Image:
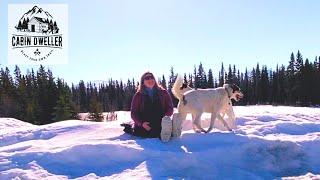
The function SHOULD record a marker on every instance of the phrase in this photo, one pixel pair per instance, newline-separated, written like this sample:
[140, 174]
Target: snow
[270, 142]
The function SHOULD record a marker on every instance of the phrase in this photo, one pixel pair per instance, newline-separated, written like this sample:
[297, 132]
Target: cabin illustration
[37, 24]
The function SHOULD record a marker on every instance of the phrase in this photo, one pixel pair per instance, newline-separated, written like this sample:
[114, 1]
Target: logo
[38, 35]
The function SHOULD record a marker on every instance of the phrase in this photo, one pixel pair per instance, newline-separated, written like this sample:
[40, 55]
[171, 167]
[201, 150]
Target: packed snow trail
[270, 142]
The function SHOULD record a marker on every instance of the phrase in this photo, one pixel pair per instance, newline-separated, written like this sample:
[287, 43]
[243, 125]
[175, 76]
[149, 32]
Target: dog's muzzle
[239, 96]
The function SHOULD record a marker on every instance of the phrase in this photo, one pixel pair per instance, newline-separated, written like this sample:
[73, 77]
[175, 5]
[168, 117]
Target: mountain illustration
[37, 20]
[36, 12]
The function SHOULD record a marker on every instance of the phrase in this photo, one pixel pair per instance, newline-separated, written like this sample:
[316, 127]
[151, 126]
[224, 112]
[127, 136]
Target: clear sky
[123, 38]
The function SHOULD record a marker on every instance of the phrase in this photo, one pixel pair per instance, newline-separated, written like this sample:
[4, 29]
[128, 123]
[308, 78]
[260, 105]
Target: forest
[40, 98]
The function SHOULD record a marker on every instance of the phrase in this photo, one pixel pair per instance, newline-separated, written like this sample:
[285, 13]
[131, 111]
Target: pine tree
[210, 79]
[299, 66]
[238, 79]
[253, 86]
[195, 78]
[191, 84]
[185, 80]
[202, 77]
[229, 77]
[234, 76]
[63, 110]
[164, 82]
[172, 79]
[95, 110]
[299, 62]
[83, 97]
[275, 86]
[283, 96]
[215, 84]
[290, 80]
[308, 88]
[19, 95]
[245, 88]
[264, 86]
[258, 83]
[221, 75]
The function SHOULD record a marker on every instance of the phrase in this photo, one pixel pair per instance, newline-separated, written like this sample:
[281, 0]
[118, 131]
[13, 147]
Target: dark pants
[141, 132]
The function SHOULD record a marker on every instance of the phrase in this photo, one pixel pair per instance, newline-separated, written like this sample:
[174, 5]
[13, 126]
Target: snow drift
[270, 142]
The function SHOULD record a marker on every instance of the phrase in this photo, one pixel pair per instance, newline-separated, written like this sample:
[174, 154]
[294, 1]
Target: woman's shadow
[194, 156]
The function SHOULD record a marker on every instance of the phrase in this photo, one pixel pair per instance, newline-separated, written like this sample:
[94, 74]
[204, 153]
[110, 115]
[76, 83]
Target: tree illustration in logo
[37, 20]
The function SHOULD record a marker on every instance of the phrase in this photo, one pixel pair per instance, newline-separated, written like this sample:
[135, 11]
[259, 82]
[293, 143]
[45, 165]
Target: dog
[216, 101]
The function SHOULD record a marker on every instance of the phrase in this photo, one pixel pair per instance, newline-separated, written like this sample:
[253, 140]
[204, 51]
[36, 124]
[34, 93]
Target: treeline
[40, 98]
[297, 84]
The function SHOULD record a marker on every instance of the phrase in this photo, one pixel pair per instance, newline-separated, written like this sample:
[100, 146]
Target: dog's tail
[176, 91]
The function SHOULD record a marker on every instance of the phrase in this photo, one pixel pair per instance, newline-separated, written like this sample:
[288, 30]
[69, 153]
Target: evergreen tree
[210, 79]
[299, 66]
[253, 86]
[201, 77]
[290, 80]
[196, 78]
[95, 110]
[257, 84]
[234, 76]
[185, 78]
[245, 88]
[264, 86]
[83, 97]
[229, 77]
[63, 111]
[221, 75]
[163, 82]
[191, 84]
[172, 79]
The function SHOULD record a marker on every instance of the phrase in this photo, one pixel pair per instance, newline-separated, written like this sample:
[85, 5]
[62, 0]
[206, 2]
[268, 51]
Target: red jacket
[137, 104]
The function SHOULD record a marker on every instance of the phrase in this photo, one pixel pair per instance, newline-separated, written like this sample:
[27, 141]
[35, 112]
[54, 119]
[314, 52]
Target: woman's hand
[146, 126]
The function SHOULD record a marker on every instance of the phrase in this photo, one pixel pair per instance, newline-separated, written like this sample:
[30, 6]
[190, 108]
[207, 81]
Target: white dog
[216, 101]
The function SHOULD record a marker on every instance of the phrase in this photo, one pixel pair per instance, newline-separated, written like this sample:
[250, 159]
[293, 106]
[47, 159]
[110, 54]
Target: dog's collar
[229, 96]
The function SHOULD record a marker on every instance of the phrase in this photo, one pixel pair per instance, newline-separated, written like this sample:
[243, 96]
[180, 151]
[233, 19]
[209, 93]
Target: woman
[151, 108]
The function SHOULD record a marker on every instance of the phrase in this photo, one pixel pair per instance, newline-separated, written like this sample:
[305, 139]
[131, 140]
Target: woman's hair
[141, 86]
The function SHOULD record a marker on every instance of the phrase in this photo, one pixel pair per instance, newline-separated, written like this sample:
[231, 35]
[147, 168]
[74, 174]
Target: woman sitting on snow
[151, 108]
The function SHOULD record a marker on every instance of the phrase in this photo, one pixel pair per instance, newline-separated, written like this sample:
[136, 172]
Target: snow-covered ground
[271, 142]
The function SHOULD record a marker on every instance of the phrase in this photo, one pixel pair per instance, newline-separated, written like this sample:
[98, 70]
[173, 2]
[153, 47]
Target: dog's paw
[207, 131]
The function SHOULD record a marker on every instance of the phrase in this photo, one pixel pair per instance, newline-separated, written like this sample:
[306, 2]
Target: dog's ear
[184, 85]
[235, 87]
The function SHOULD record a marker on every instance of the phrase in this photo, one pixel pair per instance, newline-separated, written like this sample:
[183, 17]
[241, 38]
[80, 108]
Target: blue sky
[121, 39]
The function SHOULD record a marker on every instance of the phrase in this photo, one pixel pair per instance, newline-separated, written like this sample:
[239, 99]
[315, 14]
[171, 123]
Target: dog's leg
[231, 114]
[224, 122]
[177, 120]
[232, 117]
[213, 118]
[197, 123]
[193, 125]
